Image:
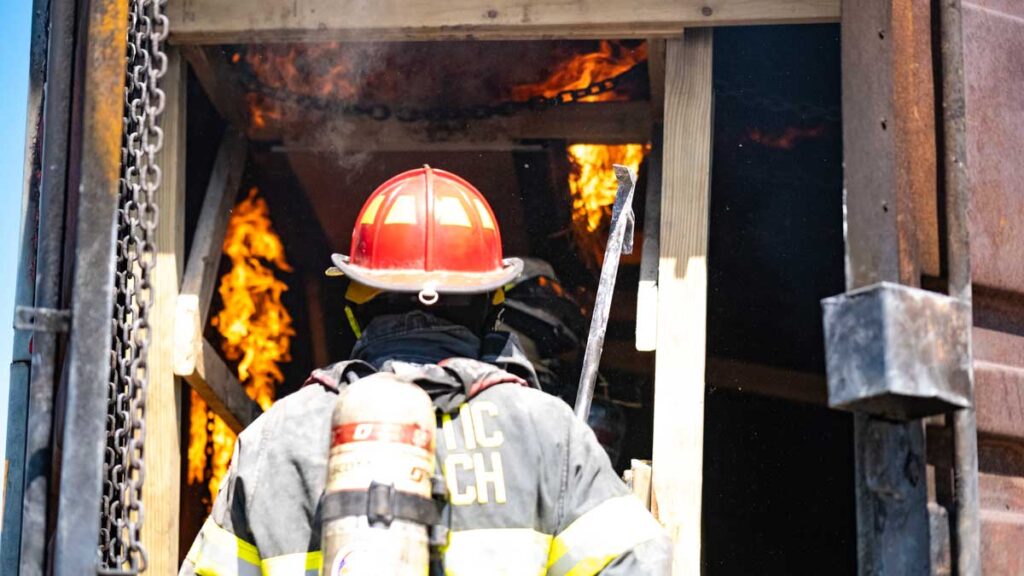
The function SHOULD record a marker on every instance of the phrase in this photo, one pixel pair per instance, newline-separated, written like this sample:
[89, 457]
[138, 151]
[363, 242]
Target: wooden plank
[682, 299]
[317, 320]
[211, 69]
[204, 258]
[647, 289]
[220, 22]
[194, 358]
[640, 481]
[217, 385]
[656, 76]
[604, 122]
[162, 485]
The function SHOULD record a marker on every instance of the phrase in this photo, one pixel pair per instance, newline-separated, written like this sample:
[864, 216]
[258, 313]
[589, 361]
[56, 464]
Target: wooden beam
[604, 122]
[220, 22]
[317, 319]
[217, 385]
[748, 377]
[682, 297]
[211, 69]
[656, 77]
[650, 252]
[162, 447]
[221, 191]
[194, 358]
[640, 481]
[647, 289]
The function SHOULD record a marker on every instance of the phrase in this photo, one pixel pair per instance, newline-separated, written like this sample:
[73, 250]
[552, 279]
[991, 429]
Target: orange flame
[582, 70]
[318, 70]
[256, 330]
[307, 69]
[592, 185]
[261, 110]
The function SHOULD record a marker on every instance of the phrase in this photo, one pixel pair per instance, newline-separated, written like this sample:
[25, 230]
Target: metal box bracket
[897, 352]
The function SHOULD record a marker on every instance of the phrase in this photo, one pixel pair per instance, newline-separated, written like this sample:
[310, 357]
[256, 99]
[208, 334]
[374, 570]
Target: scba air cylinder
[378, 475]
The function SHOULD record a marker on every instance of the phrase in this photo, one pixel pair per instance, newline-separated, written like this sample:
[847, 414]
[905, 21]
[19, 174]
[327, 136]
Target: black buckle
[380, 503]
[438, 533]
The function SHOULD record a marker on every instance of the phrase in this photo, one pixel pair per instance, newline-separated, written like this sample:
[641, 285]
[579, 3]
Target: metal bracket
[897, 352]
[41, 319]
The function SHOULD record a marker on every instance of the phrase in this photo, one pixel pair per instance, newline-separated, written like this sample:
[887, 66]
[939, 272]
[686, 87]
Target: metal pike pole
[620, 241]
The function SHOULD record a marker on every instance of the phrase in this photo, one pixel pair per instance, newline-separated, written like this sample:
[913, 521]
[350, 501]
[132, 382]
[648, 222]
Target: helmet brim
[442, 282]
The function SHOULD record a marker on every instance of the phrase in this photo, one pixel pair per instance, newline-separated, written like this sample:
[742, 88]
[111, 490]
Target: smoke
[339, 140]
[307, 85]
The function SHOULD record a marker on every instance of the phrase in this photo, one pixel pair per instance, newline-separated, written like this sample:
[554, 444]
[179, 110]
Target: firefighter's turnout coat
[531, 490]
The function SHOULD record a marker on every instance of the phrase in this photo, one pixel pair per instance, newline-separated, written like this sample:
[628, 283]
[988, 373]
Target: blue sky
[15, 24]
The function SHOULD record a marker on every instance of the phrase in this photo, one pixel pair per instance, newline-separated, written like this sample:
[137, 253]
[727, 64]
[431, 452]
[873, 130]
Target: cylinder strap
[381, 504]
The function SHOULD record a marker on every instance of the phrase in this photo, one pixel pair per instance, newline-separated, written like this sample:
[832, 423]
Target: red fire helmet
[427, 231]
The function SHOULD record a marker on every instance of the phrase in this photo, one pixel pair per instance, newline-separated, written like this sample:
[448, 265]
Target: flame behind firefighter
[549, 325]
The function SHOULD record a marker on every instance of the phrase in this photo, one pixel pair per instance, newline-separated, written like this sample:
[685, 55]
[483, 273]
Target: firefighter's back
[531, 491]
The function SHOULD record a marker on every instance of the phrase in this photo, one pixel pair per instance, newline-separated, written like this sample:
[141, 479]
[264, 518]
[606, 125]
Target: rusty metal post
[966, 536]
[49, 265]
[889, 161]
[78, 522]
[20, 369]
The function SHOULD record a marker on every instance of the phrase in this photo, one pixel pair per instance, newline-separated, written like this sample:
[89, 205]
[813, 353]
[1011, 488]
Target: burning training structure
[777, 167]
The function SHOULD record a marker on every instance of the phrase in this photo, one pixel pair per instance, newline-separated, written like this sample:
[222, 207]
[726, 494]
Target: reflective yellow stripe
[300, 564]
[599, 536]
[217, 552]
[497, 552]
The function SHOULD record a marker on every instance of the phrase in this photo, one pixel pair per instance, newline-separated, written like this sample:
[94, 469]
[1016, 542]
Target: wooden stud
[317, 324]
[211, 69]
[640, 481]
[194, 358]
[764, 380]
[204, 258]
[605, 122]
[219, 22]
[162, 447]
[682, 299]
[656, 77]
[218, 386]
[647, 289]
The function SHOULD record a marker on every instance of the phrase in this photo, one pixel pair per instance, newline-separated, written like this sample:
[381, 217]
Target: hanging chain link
[807, 111]
[120, 546]
[383, 112]
[778, 105]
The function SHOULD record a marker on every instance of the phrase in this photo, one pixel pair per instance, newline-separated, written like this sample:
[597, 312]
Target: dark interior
[777, 494]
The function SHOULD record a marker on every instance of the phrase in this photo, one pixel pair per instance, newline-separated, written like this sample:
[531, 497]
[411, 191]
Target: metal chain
[120, 546]
[775, 104]
[382, 112]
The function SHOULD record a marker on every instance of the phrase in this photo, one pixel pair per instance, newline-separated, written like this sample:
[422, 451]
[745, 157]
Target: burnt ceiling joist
[318, 123]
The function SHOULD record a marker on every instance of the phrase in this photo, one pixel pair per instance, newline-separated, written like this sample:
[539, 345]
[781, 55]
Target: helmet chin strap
[353, 323]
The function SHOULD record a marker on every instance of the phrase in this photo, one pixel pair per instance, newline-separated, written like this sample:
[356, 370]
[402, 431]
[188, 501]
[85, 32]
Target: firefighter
[530, 490]
[548, 323]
